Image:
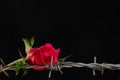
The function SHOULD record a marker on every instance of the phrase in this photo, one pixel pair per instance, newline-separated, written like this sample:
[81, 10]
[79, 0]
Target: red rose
[42, 55]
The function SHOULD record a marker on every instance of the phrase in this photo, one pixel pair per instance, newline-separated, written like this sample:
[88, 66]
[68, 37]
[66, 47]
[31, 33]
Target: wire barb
[1, 66]
[102, 69]
[95, 60]
[50, 67]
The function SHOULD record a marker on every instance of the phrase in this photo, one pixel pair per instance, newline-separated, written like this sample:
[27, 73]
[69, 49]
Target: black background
[84, 29]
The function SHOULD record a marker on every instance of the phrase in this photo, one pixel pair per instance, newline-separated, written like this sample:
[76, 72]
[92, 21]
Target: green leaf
[24, 60]
[17, 67]
[28, 43]
[64, 58]
[24, 72]
[31, 41]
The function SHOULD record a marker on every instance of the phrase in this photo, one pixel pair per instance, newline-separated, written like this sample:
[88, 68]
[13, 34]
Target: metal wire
[59, 65]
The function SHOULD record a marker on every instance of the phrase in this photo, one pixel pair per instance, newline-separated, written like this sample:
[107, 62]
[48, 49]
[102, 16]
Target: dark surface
[85, 29]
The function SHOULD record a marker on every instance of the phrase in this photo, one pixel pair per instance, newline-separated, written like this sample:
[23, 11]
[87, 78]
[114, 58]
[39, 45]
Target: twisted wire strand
[96, 66]
[59, 65]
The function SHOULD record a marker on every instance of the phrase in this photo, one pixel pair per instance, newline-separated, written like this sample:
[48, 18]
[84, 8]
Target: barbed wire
[68, 64]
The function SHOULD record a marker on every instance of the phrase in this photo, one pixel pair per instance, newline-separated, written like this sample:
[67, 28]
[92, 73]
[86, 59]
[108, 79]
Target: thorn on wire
[102, 69]
[50, 67]
[95, 59]
[93, 67]
[2, 61]
[6, 73]
[58, 67]
[1, 66]
[20, 53]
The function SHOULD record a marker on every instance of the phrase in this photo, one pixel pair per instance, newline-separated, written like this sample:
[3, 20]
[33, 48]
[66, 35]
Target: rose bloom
[42, 55]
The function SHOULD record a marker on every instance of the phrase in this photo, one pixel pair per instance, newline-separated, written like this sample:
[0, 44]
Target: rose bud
[42, 55]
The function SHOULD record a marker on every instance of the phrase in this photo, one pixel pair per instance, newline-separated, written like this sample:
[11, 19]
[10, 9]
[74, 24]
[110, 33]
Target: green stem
[18, 60]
